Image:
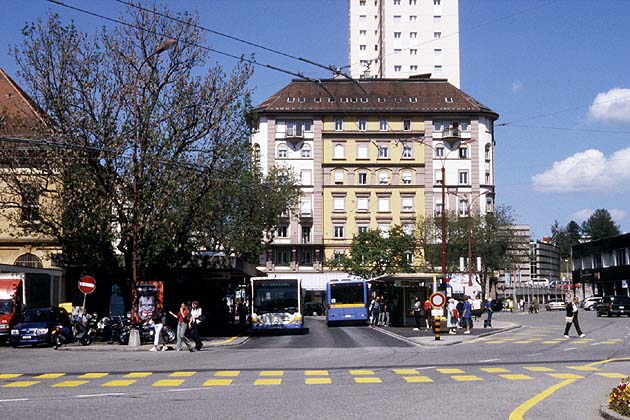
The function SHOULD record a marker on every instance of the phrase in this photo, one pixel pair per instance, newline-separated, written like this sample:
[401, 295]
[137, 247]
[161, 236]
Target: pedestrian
[536, 306]
[467, 315]
[384, 317]
[157, 318]
[427, 313]
[196, 318]
[375, 311]
[242, 312]
[452, 316]
[460, 311]
[488, 307]
[572, 318]
[418, 310]
[521, 305]
[182, 323]
[476, 308]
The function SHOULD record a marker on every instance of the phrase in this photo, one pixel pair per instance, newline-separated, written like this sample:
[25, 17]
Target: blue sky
[557, 72]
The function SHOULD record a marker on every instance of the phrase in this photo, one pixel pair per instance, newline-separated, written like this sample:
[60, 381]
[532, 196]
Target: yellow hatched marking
[169, 382]
[275, 381]
[417, 378]
[70, 384]
[368, 380]
[218, 382]
[20, 384]
[183, 374]
[272, 373]
[405, 371]
[611, 375]
[523, 342]
[356, 372]
[138, 374]
[450, 371]
[466, 378]
[539, 369]
[228, 373]
[93, 375]
[608, 342]
[50, 375]
[317, 381]
[495, 370]
[552, 342]
[565, 375]
[583, 368]
[9, 375]
[316, 373]
[495, 342]
[517, 377]
[120, 382]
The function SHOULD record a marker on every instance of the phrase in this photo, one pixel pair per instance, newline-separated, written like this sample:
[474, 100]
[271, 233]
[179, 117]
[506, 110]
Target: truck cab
[10, 305]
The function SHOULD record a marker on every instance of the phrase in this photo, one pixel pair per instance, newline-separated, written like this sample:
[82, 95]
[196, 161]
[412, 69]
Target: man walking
[467, 315]
[375, 310]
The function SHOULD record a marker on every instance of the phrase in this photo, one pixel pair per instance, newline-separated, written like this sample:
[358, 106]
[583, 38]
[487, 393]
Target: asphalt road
[343, 372]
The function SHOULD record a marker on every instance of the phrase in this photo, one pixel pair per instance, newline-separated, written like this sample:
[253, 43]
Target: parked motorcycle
[83, 331]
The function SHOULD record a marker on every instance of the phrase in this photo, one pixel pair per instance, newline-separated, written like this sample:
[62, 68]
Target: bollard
[436, 327]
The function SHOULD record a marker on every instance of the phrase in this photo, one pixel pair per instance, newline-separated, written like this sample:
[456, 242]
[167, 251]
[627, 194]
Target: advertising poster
[149, 294]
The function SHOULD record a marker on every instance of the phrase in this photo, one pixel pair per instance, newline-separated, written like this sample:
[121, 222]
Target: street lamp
[169, 43]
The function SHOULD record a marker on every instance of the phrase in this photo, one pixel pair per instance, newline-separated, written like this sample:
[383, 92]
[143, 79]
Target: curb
[439, 343]
[145, 347]
[609, 414]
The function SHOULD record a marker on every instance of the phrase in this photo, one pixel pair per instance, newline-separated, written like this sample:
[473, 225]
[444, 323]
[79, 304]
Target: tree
[373, 254]
[140, 143]
[565, 237]
[600, 225]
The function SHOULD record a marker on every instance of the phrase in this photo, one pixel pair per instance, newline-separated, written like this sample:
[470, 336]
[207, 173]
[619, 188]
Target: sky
[556, 71]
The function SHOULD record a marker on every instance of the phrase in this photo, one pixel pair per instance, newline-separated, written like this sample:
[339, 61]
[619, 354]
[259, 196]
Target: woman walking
[572, 318]
[182, 324]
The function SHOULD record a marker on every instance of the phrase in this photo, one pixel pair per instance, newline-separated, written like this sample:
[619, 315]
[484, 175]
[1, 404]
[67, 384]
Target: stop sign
[87, 284]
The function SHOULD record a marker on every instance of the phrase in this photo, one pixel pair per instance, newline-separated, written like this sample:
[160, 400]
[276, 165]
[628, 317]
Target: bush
[619, 398]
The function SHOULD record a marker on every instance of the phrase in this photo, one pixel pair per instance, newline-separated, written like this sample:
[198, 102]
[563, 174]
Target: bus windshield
[275, 297]
[346, 293]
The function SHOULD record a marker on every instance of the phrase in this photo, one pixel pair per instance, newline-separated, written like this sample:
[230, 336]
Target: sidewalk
[208, 344]
[426, 337]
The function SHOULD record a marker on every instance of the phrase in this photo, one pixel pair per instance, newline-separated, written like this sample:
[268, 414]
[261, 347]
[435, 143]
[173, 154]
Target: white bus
[276, 304]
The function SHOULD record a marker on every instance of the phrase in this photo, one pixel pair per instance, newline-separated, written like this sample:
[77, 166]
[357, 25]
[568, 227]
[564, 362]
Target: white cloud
[590, 170]
[611, 106]
[584, 214]
[516, 86]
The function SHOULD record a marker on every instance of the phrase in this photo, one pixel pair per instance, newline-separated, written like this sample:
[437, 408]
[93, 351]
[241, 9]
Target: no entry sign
[437, 300]
[87, 284]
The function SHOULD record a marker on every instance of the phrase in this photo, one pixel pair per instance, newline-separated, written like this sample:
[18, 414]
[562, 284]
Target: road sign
[437, 300]
[87, 284]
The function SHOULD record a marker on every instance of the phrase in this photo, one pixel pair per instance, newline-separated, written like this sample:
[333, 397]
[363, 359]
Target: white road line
[489, 360]
[427, 367]
[14, 400]
[110, 394]
[536, 354]
[570, 348]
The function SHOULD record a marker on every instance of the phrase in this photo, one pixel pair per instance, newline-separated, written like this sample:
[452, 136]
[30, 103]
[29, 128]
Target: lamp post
[169, 43]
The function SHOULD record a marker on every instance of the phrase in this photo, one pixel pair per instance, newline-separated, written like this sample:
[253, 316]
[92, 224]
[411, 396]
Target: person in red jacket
[427, 311]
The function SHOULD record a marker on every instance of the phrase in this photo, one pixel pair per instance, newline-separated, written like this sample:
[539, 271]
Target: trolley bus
[276, 304]
[347, 300]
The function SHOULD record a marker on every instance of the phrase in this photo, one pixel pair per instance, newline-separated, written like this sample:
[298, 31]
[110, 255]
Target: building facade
[401, 38]
[545, 259]
[365, 152]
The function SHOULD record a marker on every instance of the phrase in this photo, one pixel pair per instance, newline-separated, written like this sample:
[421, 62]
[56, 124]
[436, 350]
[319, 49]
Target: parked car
[614, 305]
[590, 303]
[313, 308]
[556, 305]
[36, 325]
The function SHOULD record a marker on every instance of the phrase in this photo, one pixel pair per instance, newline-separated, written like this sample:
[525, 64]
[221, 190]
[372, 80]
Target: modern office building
[401, 38]
[545, 260]
[369, 154]
[519, 273]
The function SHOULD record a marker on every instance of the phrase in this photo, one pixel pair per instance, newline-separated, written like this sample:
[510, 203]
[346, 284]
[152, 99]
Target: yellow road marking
[517, 377]
[138, 374]
[229, 340]
[608, 342]
[317, 381]
[70, 383]
[495, 342]
[450, 371]
[9, 375]
[584, 368]
[183, 374]
[50, 375]
[120, 382]
[520, 411]
[218, 382]
[368, 380]
[523, 342]
[601, 362]
[495, 370]
[228, 373]
[93, 375]
[272, 373]
[552, 342]
[417, 378]
[565, 375]
[316, 372]
[405, 371]
[466, 378]
[539, 369]
[611, 375]
[355, 372]
[20, 384]
[276, 381]
[168, 382]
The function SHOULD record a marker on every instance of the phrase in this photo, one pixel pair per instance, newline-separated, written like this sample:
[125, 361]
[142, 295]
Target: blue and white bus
[347, 301]
[276, 304]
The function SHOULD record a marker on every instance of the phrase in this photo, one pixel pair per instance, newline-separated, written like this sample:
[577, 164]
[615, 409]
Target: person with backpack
[375, 311]
[452, 316]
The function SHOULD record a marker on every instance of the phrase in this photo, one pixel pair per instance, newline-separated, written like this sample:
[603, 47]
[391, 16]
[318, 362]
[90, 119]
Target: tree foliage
[600, 225]
[125, 111]
[374, 254]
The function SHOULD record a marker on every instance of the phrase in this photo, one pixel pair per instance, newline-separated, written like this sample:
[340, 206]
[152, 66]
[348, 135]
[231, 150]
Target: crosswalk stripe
[168, 382]
[70, 384]
[20, 384]
[517, 377]
[539, 369]
[450, 371]
[50, 375]
[405, 371]
[565, 375]
[120, 382]
[184, 374]
[317, 381]
[271, 381]
[466, 378]
[218, 382]
[271, 373]
[495, 370]
[417, 378]
[316, 373]
[356, 372]
[611, 375]
[138, 374]
[9, 375]
[93, 375]
[368, 380]
[228, 373]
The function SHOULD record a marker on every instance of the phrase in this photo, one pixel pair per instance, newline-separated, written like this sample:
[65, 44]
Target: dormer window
[318, 100]
[413, 100]
[448, 100]
[302, 100]
[290, 99]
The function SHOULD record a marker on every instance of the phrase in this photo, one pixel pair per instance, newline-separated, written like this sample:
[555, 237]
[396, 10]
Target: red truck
[11, 298]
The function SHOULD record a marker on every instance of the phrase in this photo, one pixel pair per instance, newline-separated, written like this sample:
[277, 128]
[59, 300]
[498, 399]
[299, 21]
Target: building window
[362, 178]
[437, 19]
[439, 151]
[407, 229]
[407, 204]
[396, 2]
[413, 35]
[29, 260]
[383, 204]
[437, 35]
[296, 128]
[362, 151]
[306, 257]
[406, 125]
[413, 18]
[384, 229]
[338, 177]
[362, 229]
[305, 207]
[363, 203]
[30, 204]
[407, 151]
[338, 231]
[487, 178]
[362, 32]
[436, 2]
[413, 51]
[362, 18]
[412, 2]
[339, 204]
[438, 209]
[338, 124]
[463, 152]
[339, 152]
[383, 151]
[437, 52]
[463, 177]
[282, 231]
[257, 151]
[362, 2]
[407, 177]
[397, 68]
[437, 69]
[413, 68]
[306, 234]
[397, 35]
[362, 47]
[305, 177]
[362, 124]
[306, 152]
[397, 18]
[383, 177]
[282, 151]
[397, 51]
[382, 124]
[463, 207]
[438, 177]
[282, 257]
[487, 152]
